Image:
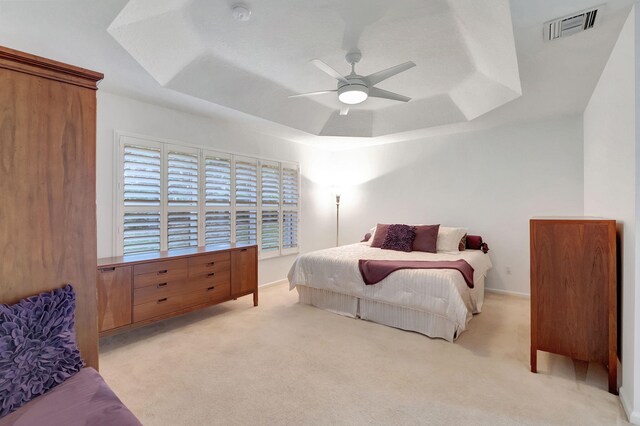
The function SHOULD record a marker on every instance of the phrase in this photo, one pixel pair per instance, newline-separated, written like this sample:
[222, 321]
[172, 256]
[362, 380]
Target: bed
[437, 303]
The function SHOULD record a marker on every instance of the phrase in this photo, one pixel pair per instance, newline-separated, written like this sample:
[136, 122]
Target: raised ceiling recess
[464, 53]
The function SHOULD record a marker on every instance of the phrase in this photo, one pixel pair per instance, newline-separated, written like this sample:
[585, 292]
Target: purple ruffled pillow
[399, 237]
[38, 348]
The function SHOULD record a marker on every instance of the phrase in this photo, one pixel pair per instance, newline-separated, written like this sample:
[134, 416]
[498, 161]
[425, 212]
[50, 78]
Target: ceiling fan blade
[375, 92]
[321, 92]
[326, 68]
[344, 110]
[379, 76]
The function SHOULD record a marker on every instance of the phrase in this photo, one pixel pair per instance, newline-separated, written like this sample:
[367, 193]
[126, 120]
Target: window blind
[270, 235]
[175, 196]
[289, 229]
[246, 227]
[246, 183]
[182, 179]
[218, 227]
[217, 181]
[270, 184]
[182, 229]
[141, 232]
[290, 186]
[141, 181]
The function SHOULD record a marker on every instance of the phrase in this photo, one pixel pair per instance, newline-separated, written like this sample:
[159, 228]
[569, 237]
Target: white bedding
[442, 292]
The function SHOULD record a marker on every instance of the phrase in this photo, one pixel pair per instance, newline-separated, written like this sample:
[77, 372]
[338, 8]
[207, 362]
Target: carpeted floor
[284, 363]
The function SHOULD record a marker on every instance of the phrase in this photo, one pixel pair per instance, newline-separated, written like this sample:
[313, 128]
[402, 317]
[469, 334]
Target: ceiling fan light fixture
[353, 94]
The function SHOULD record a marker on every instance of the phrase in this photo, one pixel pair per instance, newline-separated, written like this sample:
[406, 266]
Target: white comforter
[439, 291]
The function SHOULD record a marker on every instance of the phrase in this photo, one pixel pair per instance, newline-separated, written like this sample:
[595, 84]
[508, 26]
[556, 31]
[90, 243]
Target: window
[270, 190]
[172, 197]
[217, 170]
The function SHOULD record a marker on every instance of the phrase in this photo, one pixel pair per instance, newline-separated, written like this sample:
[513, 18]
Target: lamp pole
[337, 220]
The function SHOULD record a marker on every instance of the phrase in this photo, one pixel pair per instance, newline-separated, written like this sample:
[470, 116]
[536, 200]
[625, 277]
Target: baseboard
[274, 283]
[633, 416]
[507, 292]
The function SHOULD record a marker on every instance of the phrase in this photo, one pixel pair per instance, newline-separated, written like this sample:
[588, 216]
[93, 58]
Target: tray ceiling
[464, 51]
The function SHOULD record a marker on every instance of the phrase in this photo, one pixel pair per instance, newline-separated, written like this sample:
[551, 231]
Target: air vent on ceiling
[571, 24]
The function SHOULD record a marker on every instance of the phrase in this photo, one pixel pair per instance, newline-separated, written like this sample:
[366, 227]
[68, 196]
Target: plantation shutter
[141, 232]
[172, 197]
[218, 227]
[246, 198]
[182, 179]
[289, 229]
[270, 184]
[141, 198]
[246, 227]
[290, 208]
[269, 208]
[217, 199]
[290, 186]
[182, 165]
[141, 176]
[182, 229]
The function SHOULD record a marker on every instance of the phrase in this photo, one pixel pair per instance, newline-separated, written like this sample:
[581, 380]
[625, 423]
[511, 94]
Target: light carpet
[285, 363]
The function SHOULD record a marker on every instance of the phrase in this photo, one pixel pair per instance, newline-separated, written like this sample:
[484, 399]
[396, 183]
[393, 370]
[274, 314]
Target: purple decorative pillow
[426, 238]
[379, 235]
[474, 242]
[366, 238]
[37, 346]
[399, 237]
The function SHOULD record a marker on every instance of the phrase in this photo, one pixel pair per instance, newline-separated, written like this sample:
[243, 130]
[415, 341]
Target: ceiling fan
[353, 88]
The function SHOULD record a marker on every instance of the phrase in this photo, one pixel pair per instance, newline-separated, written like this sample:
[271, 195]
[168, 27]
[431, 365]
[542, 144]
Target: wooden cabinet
[48, 185]
[245, 272]
[573, 291]
[163, 285]
[114, 297]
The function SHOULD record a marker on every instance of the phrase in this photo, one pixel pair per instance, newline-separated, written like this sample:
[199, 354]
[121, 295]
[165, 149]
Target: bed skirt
[423, 322]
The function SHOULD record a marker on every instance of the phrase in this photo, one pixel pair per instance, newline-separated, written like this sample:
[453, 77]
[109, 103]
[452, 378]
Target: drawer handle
[108, 269]
[244, 249]
[164, 299]
[162, 272]
[211, 274]
[211, 263]
[210, 288]
[161, 285]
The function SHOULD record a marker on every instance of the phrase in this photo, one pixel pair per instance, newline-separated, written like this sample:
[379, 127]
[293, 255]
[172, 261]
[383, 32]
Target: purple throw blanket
[374, 271]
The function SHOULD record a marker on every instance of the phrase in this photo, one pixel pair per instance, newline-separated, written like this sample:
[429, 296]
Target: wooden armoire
[574, 290]
[47, 185]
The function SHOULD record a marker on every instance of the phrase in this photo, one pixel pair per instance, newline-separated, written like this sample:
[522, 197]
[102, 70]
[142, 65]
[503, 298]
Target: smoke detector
[570, 24]
[241, 12]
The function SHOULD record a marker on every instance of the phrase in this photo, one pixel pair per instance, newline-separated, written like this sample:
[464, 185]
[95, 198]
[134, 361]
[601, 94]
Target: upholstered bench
[83, 399]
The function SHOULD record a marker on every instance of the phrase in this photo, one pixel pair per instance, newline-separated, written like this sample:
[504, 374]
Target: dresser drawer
[154, 273]
[170, 289]
[219, 292]
[171, 303]
[207, 282]
[203, 265]
[155, 308]
[152, 293]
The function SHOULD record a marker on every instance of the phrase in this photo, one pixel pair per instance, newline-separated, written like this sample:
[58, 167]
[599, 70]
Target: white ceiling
[191, 54]
[464, 51]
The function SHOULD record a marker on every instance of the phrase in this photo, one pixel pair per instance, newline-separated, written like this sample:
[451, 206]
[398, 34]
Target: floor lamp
[337, 220]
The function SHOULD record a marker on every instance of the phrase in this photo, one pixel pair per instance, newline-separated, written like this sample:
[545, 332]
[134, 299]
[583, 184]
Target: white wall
[117, 113]
[491, 182]
[610, 174]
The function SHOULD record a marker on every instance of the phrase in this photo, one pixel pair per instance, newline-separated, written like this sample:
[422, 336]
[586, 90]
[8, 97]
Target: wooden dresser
[140, 289]
[573, 291]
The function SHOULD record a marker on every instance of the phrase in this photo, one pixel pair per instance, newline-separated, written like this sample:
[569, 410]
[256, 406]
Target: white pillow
[372, 231]
[449, 238]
